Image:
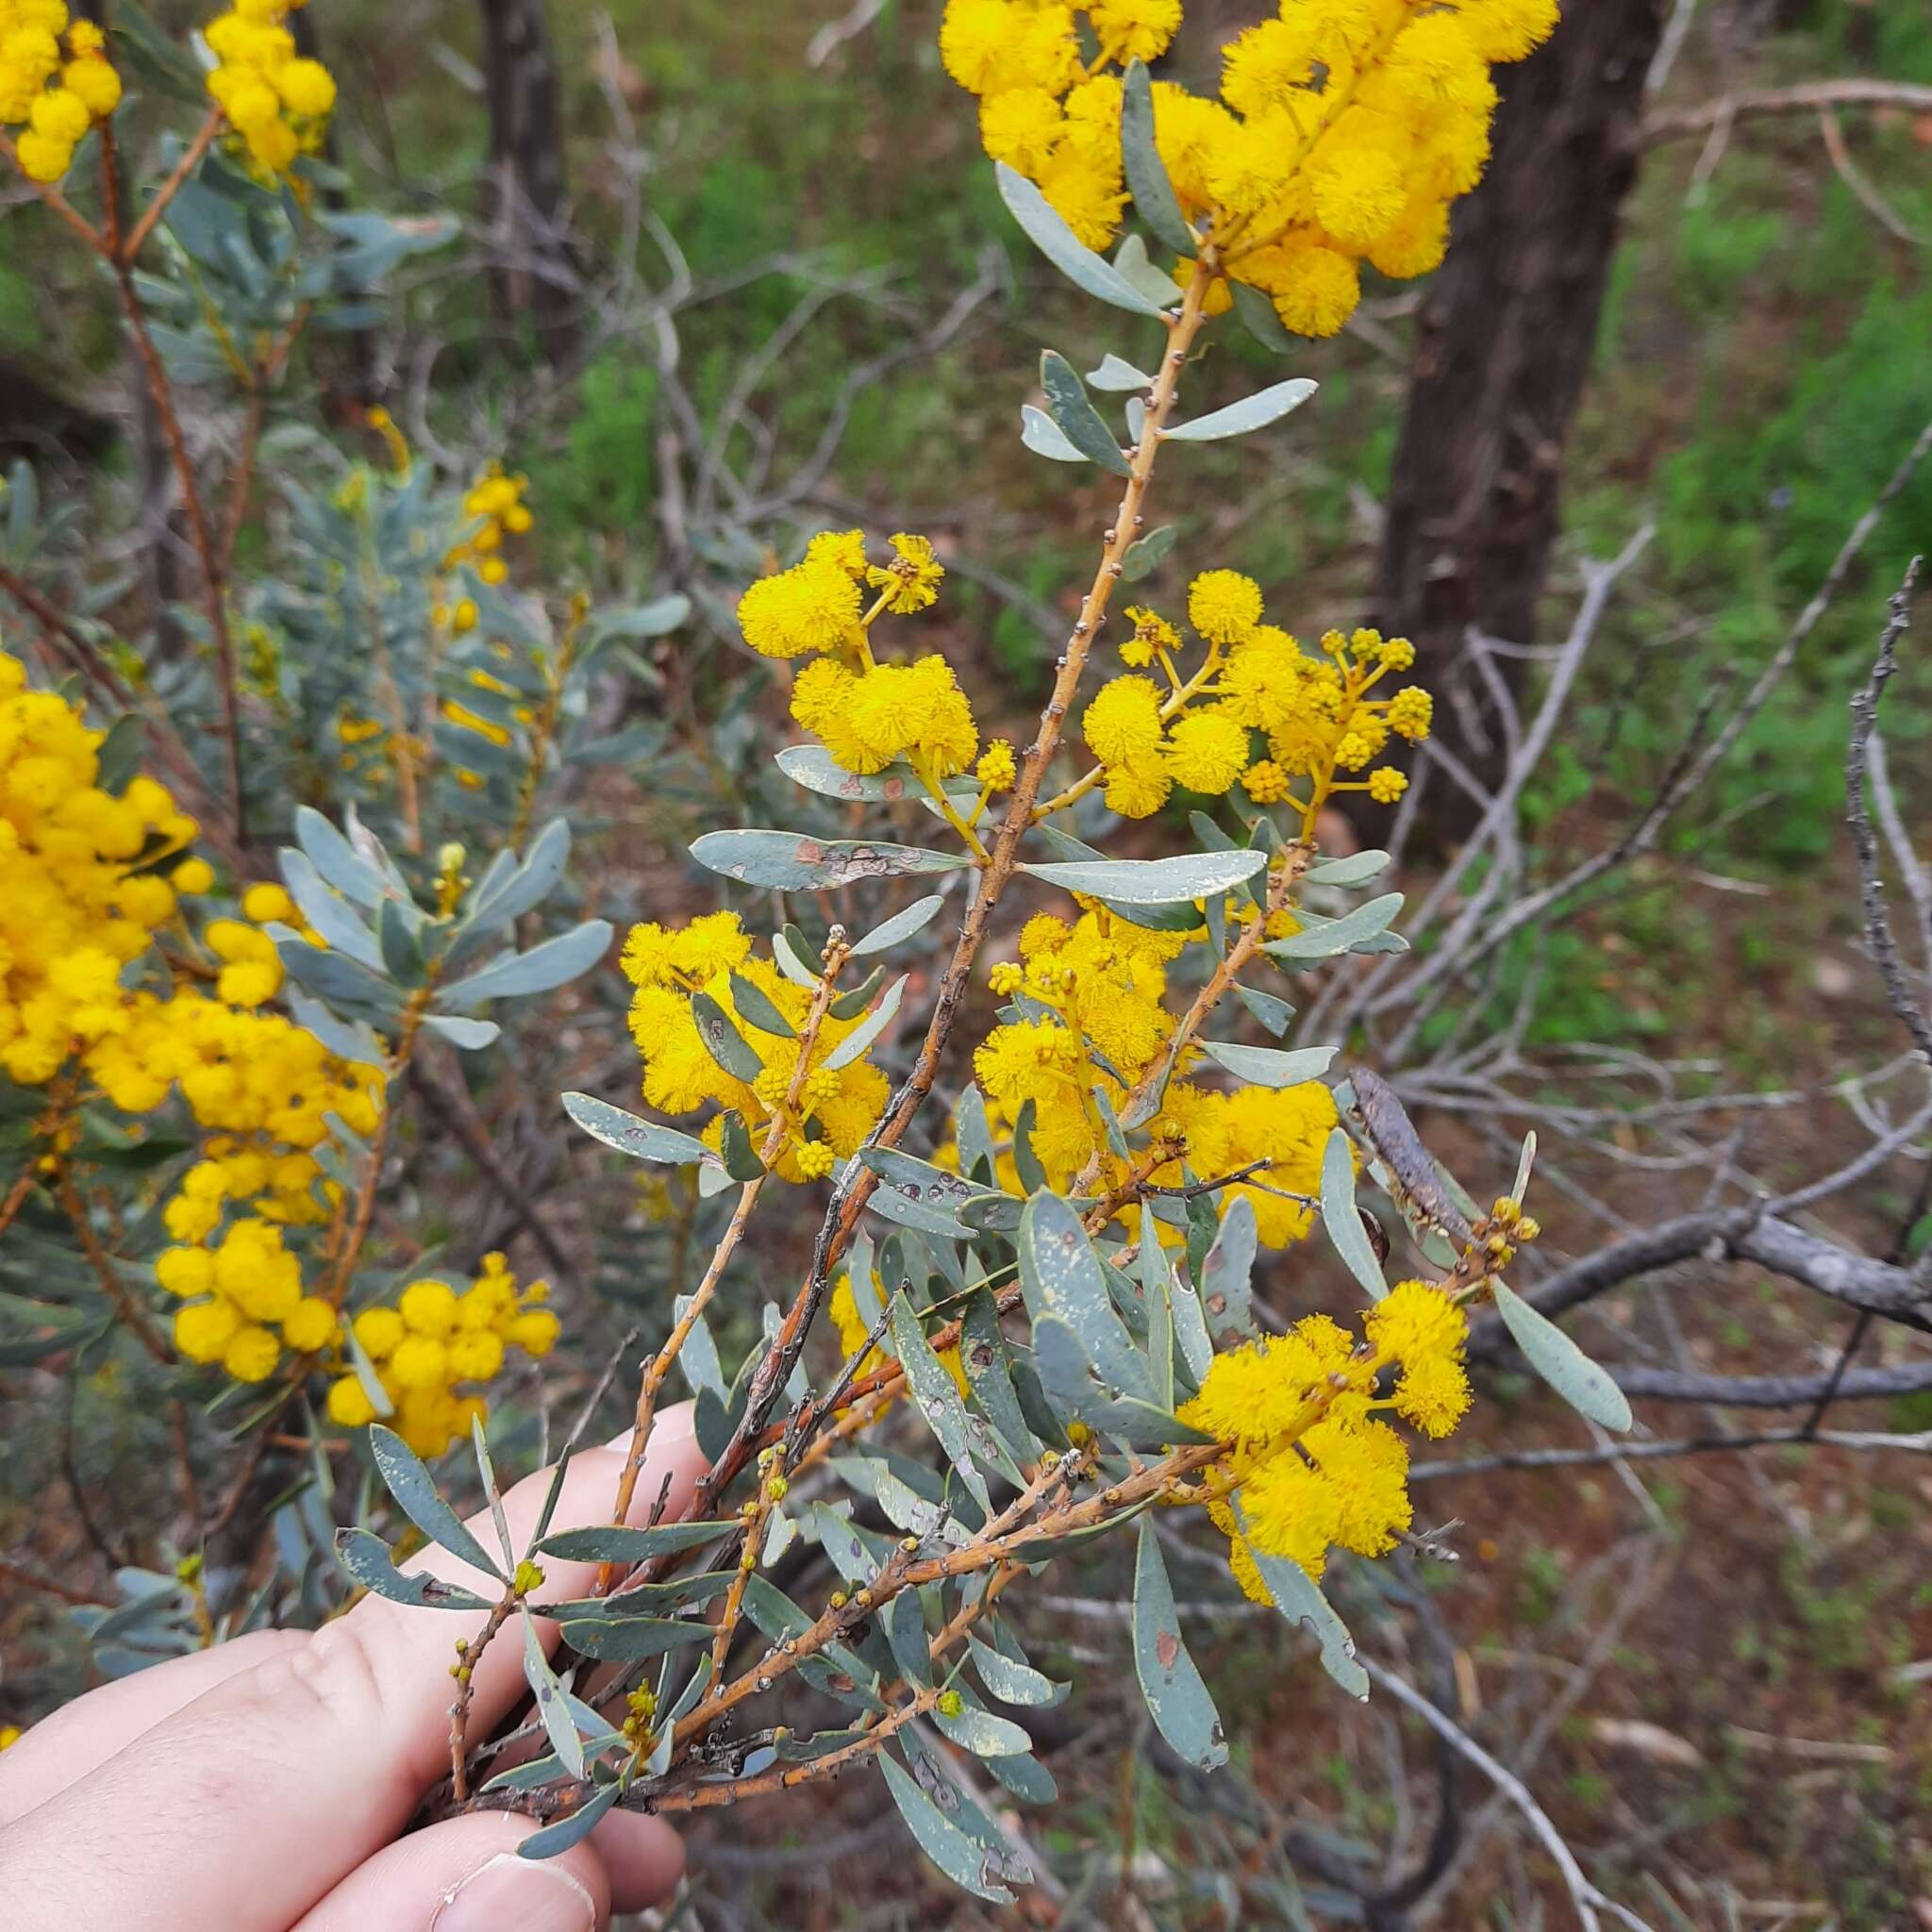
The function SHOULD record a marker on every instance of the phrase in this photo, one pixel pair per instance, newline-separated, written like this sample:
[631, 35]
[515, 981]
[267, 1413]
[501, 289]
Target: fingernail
[516, 1894]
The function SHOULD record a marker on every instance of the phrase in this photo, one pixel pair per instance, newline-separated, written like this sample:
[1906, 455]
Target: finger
[643, 1855]
[219, 1804]
[464, 1876]
[61, 1750]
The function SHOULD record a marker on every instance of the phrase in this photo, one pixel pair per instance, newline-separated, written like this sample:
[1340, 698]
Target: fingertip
[643, 1856]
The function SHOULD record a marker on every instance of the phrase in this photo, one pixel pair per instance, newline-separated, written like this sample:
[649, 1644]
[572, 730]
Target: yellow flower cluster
[495, 504]
[238, 1294]
[1343, 130]
[278, 102]
[867, 713]
[78, 895]
[1104, 981]
[836, 1107]
[54, 95]
[433, 1340]
[1312, 1463]
[1315, 712]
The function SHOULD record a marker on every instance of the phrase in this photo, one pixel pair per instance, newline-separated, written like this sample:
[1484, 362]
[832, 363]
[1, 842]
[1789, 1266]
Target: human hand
[259, 1786]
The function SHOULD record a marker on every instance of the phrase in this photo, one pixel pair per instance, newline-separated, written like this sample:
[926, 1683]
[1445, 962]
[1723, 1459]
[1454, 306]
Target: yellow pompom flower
[1223, 606]
[310, 1325]
[1134, 30]
[252, 1353]
[1121, 723]
[349, 1406]
[812, 607]
[203, 1330]
[1021, 126]
[428, 1307]
[1316, 289]
[1207, 751]
[1139, 787]
[1359, 195]
[1387, 785]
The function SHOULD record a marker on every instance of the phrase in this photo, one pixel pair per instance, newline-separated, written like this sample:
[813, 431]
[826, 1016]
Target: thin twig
[191, 160]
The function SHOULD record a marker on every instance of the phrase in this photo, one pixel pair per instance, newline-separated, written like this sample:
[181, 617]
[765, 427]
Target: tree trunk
[1504, 343]
[533, 281]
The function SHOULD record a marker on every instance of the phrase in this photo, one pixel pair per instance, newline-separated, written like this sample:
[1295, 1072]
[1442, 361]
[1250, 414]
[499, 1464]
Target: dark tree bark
[533, 279]
[1504, 343]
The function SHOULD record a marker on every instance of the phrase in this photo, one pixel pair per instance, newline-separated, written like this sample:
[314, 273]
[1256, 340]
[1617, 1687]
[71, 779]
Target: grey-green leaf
[1323, 939]
[372, 1563]
[1062, 1277]
[966, 1864]
[902, 926]
[1268, 1066]
[609, 1542]
[1040, 433]
[1258, 317]
[1582, 1383]
[983, 1734]
[1251, 412]
[1153, 881]
[1072, 408]
[813, 767]
[413, 1485]
[1177, 1699]
[854, 1044]
[553, 963]
[1225, 1296]
[1011, 1682]
[754, 1006]
[569, 1831]
[553, 1711]
[1115, 375]
[1297, 1598]
[1355, 870]
[1154, 194]
[789, 863]
[938, 1400]
[1146, 553]
[641, 1139]
[1343, 1220]
[727, 1045]
[1050, 234]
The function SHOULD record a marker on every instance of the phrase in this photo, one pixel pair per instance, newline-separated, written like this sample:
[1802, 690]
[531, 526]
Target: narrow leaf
[1251, 412]
[1067, 398]
[1267, 1066]
[641, 1139]
[1040, 433]
[1177, 1699]
[1154, 881]
[372, 1563]
[902, 926]
[727, 1045]
[410, 1482]
[1342, 1218]
[1582, 1383]
[788, 862]
[854, 1044]
[1153, 195]
[1050, 234]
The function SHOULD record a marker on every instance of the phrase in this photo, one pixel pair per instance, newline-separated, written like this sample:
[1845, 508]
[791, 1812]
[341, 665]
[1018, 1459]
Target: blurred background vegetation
[1762, 363]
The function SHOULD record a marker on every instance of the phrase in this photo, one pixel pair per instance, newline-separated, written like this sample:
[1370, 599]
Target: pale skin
[265, 1785]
